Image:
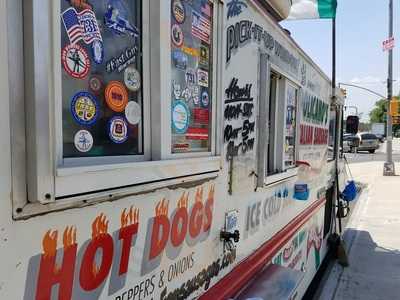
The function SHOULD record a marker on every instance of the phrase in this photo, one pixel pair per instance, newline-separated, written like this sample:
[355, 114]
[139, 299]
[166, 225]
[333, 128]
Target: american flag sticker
[81, 26]
[72, 25]
[201, 27]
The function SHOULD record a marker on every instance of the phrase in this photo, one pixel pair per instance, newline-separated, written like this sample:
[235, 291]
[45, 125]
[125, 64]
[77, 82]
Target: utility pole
[388, 167]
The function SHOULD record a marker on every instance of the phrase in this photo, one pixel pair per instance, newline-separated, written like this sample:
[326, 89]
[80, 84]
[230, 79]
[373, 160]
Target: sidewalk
[373, 241]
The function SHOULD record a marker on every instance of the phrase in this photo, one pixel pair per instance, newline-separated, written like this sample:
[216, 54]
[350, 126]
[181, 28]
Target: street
[379, 155]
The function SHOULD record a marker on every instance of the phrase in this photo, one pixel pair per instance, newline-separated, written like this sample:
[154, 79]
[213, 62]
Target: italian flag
[313, 9]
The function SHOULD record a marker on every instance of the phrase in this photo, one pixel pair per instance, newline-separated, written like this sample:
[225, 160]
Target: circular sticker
[177, 35]
[133, 113]
[84, 108]
[205, 99]
[75, 61]
[116, 96]
[118, 130]
[98, 51]
[132, 79]
[83, 141]
[95, 84]
[178, 10]
[180, 117]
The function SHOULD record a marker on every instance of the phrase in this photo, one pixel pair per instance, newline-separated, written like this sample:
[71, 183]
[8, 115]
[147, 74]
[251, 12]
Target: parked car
[350, 142]
[368, 142]
[380, 137]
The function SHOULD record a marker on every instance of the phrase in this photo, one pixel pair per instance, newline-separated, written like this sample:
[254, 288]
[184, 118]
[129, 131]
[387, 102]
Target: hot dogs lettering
[79, 271]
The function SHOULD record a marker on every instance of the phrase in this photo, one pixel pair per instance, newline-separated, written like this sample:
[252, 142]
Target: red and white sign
[388, 44]
[197, 134]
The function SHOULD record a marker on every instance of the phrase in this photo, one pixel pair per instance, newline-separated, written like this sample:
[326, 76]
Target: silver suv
[368, 142]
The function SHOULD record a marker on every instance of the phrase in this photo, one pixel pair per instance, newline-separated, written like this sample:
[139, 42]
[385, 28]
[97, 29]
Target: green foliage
[378, 113]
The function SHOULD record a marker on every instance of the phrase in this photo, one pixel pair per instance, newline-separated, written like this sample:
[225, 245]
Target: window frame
[49, 183]
[266, 70]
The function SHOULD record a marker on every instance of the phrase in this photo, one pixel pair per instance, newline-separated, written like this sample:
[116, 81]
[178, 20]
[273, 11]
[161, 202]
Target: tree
[378, 113]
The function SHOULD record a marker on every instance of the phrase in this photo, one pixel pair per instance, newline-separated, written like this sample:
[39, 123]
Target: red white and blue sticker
[81, 25]
[178, 10]
[177, 35]
[83, 141]
[84, 108]
[118, 130]
[98, 51]
[201, 27]
[205, 99]
[75, 61]
[180, 117]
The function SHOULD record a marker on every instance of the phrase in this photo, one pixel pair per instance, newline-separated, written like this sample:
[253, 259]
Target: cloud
[367, 80]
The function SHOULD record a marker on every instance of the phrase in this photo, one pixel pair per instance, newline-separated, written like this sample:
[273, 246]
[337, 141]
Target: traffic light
[395, 108]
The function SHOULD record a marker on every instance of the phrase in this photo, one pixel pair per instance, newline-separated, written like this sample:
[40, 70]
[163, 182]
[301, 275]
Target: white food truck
[161, 149]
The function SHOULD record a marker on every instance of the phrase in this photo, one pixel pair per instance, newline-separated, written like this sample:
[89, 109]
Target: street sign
[395, 108]
[395, 120]
[388, 44]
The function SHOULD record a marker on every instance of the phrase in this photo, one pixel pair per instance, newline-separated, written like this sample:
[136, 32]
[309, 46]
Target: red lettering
[50, 275]
[90, 276]
[208, 210]
[126, 235]
[158, 243]
[196, 219]
[178, 235]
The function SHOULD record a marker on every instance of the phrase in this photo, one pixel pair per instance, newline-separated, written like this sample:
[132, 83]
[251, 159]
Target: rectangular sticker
[201, 27]
[202, 78]
[197, 134]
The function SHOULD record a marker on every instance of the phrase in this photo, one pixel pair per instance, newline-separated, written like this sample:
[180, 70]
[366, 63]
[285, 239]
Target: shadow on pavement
[373, 272]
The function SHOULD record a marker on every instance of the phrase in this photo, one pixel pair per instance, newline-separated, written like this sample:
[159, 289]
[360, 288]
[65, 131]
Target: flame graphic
[49, 243]
[211, 194]
[183, 201]
[69, 237]
[129, 218]
[80, 4]
[99, 226]
[162, 208]
[199, 195]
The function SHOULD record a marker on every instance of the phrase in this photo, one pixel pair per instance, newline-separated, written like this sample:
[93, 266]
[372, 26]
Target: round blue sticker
[205, 99]
[84, 108]
[98, 51]
[118, 130]
[180, 116]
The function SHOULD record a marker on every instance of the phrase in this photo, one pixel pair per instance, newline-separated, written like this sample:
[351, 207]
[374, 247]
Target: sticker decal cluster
[84, 108]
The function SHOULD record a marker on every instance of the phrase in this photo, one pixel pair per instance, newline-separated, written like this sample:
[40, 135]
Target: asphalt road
[379, 155]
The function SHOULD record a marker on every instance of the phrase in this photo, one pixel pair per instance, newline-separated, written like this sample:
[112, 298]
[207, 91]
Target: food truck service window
[102, 71]
[282, 117]
[113, 97]
[192, 69]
